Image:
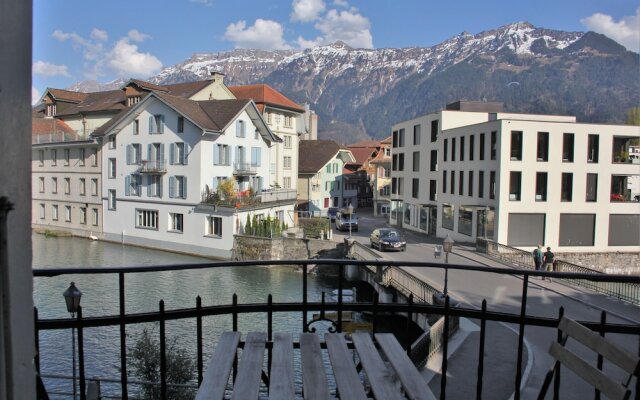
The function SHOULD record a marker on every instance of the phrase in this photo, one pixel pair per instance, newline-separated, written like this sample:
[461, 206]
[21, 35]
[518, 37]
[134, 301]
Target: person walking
[548, 261]
[538, 257]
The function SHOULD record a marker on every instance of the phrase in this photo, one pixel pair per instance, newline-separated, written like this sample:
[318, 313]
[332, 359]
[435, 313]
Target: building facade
[382, 179]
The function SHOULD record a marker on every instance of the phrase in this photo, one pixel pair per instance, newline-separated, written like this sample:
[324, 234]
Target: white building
[538, 179]
[163, 160]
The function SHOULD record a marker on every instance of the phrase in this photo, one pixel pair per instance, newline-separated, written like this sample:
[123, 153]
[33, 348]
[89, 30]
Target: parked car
[387, 239]
[331, 213]
[346, 221]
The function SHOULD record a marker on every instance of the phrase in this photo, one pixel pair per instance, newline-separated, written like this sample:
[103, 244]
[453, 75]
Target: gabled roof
[362, 154]
[145, 85]
[264, 94]
[187, 89]
[387, 140]
[315, 154]
[110, 101]
[67, 95]
[365, 143]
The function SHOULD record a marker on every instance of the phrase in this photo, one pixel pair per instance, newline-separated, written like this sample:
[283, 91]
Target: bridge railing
[625, 291]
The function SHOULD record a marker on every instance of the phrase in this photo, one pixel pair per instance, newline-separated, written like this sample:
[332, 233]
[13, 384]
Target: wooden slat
[215, 378]
[415, 386]
[281, 377]
[314, 377]
[380, 378]
[592, 375]
[347, 379]
[247, 383]
[600, 345]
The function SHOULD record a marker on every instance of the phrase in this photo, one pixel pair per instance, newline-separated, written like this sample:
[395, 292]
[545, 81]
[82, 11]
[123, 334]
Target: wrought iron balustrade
[152, 167]
[242, 168]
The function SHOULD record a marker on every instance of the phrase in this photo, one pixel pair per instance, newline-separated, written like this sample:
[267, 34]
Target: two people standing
[541, 259]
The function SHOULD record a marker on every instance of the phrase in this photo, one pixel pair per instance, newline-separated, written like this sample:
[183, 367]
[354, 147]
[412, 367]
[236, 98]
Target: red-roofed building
[361, 178]
[381, 183]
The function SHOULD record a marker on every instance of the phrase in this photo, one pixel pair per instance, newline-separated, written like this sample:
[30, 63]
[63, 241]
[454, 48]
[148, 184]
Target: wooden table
[397, 378]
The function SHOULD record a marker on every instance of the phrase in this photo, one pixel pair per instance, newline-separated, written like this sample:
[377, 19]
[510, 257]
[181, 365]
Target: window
[453, 149]
[387, 152]
[54, 212]
[81, 157]
[400, 186]
[416, 134]
[328, 169]
[447, 216]
[492, 185]
[94, 216]
[287, 141]
[180, 124]
[394, 162]
[433, 162]
[433, 187]
[416, 161]
[494, 144]
[134, 154]
[541, 186]
[287, 162]
[434, 130]
[83, 215]
[256, 156]
[94, 157]
[154, 186]
[269, 118]
[394, 139]
[54, 157]
[401, 138]
[567, 147]
[444, 181]
[147, 219]
[286, 182]
[415, 188]
[288, 121]
[453, 182]
[67, 156]
[51, 110]
[214, 226]
[624, 150]
[445, 149]
[67, 213]
[515, 179]
[461, 183]
[462, 148]
[112, 199]
[136, 127]
[593, 148]
[41, 157]
[67, 185]
[592, 187]
[178, 153]
[516, 145]
[175, 222]
[470, 187]
[480, 184]
[133, 185]
[82, 188]
[42, 211]
[465, 218]
[112, 142]
[621, 187]
[156, 124]
[112, 168]
[94, 186]
[240, 129]
[567, 187]
[54, 185]
[577, 229]
[41, 184]
[472, 144]
[178, 187]
[401, 162]
[221, 155]
[624, 230]
[481, 149]
[542, 148]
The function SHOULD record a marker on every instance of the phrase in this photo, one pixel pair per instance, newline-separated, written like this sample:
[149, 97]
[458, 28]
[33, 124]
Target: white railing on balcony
[152, 166]
[269, 196]
[244, 168]
[60, 137]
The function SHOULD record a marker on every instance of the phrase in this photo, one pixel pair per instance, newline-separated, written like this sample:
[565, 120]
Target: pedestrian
[538, 257]
[548, 261]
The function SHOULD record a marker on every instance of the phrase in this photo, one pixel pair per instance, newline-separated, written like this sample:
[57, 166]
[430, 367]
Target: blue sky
[76, 40]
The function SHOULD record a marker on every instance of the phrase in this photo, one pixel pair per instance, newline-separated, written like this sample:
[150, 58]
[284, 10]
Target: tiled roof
[187, 89]
[265, 94]
[146, 85]
[111, 101]
[67, 95]
[314, 154]
[387, 140]
[362, 154]
[365, 143]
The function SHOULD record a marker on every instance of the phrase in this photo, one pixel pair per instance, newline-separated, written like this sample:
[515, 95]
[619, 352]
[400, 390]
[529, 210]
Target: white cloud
[340, 3]
[137, 36]
[35, 95]
[626, 31]
[99, 34]
[91, 50]
[307, 10]
[48, 69]
[126, 60]
[264, 34]
[348, 26]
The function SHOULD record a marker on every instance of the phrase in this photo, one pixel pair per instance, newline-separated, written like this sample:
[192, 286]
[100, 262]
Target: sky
[76, 40]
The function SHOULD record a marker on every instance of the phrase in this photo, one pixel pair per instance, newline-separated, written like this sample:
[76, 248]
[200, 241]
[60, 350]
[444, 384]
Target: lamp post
[72, 297]
[447, 245]
[350, 211]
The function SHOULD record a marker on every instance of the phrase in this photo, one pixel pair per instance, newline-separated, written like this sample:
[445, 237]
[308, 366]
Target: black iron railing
[235, 310]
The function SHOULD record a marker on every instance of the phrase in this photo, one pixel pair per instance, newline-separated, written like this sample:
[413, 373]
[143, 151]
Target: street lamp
[350, 211]
[447, 245]
[72, 297]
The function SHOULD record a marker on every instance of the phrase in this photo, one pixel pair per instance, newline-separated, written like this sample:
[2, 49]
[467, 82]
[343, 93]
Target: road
[503, 293]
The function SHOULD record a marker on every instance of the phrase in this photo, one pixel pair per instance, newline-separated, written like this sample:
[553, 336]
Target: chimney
[217, 77]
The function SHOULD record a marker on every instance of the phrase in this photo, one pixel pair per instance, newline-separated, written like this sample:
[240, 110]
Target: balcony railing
[245, 169]
[247, 199]
[60, 137]
[152, 167]
[441, 330]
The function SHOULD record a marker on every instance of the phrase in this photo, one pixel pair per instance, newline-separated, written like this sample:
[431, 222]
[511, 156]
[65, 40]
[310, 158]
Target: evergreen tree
[247, 226]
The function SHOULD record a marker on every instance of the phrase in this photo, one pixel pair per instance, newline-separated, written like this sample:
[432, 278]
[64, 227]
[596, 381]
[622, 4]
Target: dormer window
[133, 100]
[51, 110]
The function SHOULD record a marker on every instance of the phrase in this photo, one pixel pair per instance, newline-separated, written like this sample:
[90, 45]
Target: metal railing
[625, 291]
[61, 137]
[241, 168]
[375, 309]
[152, 167]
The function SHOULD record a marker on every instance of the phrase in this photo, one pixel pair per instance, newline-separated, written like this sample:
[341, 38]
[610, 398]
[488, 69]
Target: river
[144, 290]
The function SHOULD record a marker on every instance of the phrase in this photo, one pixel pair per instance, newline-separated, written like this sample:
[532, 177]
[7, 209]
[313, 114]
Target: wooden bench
[592, 375]
[397, 378]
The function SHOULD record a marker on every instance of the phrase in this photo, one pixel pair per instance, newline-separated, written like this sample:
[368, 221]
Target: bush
[313, 226]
